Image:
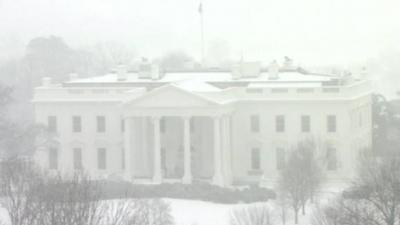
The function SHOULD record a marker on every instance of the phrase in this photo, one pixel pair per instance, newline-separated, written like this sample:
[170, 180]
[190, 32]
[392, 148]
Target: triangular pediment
[170, 96]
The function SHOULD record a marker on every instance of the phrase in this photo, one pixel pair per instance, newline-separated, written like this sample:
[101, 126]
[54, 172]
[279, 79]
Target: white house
[225, 127]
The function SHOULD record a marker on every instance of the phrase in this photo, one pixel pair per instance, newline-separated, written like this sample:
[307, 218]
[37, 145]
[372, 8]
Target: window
[255, 123]
[164, 159]
[331, 123]
[192, 125]
[101, 159]
[122, 158]
[76, 124]
[78, 159]
[254, 90]
[279, 90]
[330, 90]
[280, 123]
[53, 158]
[122, 125]
[331, 158]
[255, 159]
[305, 123]
[52, 124]
[162, 125]
[280, 158]
[305, 90]
[101, 124]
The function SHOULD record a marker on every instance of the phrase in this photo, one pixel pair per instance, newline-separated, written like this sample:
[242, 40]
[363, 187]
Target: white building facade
[224, 127]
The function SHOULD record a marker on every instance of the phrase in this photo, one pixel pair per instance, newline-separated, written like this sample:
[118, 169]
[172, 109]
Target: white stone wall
[268, 139]
[352, 134]
[89, 140]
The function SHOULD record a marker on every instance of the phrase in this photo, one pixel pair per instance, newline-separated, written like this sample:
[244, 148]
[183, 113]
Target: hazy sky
[310, 31]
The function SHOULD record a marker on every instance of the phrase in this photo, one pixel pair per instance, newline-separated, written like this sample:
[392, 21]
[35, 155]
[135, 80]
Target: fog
[199, 112]
[315, 32]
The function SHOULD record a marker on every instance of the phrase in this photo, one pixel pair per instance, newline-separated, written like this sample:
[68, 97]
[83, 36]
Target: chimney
[155, 72]
[236, 71]
[46, 81]
[73, 76]
[273, 70]
[288, 64]
[250, 69]
[144, 69]
[121, 72]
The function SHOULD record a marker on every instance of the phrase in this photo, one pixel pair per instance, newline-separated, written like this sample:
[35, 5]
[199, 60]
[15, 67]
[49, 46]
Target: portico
[155, 108]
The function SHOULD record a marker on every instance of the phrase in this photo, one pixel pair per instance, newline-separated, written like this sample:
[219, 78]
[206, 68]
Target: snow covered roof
[285, 85]
[173, 77]
[197, 86]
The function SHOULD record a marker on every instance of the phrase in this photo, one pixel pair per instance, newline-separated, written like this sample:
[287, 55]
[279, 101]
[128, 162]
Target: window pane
[305, 123]
[255, 159]
[52, 123]
[162, 125]
[280, 158]
[192, 125]
[101, 124]
[331, 123]
[163, 159]
[280, 123]
[122, 158]
[122, 125]
[53, 158]
[76, 124]
[255, 123]
[77, 158]
[331, 159]
[101, 158]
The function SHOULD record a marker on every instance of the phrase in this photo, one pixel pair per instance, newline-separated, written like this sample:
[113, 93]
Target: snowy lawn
[194, 212]
[188, 212]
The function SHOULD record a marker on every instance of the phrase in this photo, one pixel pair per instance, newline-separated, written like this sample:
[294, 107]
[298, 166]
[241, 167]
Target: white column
[128, 148]
[218, 178]
[157, 175]
[187, 175]
[227, 156]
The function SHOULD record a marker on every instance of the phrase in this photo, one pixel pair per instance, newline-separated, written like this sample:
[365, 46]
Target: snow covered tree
[251, 215]
[374, 198]
[301, 177]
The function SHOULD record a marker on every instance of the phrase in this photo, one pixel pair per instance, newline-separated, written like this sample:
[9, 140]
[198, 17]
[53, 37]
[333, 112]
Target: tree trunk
[303, 208]
[296, 216]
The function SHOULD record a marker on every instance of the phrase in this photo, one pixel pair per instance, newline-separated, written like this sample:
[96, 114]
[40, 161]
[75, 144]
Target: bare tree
[301, 177]
[135, 212]
[118, 212]
[33, 198]
[152, 212]
[175, 60]
[379, 184]
[74, 200]
[375, 195]
[19, 181]
[282, 209]
[251, 215]
[345, 212]
[36, 198]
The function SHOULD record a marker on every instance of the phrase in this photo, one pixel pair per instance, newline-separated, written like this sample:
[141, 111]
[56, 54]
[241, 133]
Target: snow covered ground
[4, 218]
[193, 212]
[189, 212]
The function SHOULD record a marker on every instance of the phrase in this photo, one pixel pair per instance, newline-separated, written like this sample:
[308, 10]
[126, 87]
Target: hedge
[198, 191]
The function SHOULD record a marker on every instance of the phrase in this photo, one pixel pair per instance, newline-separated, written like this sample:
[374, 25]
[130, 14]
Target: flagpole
[202, 32]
